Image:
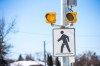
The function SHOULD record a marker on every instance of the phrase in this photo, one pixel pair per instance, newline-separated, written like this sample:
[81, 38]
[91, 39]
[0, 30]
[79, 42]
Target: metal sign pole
[64, 9]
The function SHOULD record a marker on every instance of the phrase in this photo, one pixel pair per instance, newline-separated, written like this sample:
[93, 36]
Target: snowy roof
[27, 63]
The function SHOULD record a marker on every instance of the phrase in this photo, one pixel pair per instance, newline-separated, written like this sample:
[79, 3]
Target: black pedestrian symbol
[65, 40]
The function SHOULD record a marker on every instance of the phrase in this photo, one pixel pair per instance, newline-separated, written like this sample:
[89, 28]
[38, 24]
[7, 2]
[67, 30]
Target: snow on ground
[27, 63]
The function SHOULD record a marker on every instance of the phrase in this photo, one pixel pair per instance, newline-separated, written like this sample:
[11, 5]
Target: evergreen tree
[20, 58]
[57, 62]
[49, 60]
[29, 57]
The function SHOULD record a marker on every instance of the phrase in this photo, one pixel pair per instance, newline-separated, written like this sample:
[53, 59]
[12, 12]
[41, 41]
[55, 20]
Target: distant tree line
[88, 59]
[27, 57]
[49, 61]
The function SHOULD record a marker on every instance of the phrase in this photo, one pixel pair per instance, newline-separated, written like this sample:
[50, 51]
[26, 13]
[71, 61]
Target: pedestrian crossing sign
[63, 41]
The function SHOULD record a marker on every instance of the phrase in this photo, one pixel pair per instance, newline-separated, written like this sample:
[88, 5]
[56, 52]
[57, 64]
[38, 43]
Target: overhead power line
[95, 35]
[34, 33]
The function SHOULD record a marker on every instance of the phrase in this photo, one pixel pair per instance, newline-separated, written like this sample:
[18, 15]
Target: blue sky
[33, 30]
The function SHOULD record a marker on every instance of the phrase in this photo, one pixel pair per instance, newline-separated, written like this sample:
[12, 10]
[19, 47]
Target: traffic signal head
[71, 17]
[50, 17]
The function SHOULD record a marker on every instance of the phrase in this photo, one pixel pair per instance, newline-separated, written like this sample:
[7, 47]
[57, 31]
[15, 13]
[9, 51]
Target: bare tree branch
[11, 27]
[5, 29]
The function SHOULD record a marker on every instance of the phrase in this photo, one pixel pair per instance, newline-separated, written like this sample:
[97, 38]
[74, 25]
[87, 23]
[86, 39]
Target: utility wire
[34, 33]
[88, 35]
[50, 34]
[44, 34]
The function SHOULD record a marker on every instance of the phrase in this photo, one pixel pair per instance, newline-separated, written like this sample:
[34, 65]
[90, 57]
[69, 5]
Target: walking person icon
[65, 40]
